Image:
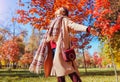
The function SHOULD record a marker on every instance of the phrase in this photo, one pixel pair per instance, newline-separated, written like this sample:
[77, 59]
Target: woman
[60, 42]
[59, 38]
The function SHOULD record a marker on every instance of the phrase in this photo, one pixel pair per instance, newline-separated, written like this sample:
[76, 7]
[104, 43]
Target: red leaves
[102, 12]
[21, 12]
[45, 10]
[97, 59]
[101, 4]
[81, 4]
[10, 50]
[33, 10]
[79, 10]
[114, 28]
[26, 58]
[74, 39]
[35, 2]
[21, 4]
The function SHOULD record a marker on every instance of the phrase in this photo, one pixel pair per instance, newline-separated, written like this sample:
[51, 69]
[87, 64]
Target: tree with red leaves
[40, 12]
[10, 50]
[97, 59]
[26, 59]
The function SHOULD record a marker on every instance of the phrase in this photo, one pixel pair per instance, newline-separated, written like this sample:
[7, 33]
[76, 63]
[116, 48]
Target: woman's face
[60, 11]
[57, 12]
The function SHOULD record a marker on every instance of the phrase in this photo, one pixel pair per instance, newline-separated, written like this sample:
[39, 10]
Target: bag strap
[69, 45]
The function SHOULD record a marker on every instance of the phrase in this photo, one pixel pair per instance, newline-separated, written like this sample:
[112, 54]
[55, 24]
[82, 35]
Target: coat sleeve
[76, 26]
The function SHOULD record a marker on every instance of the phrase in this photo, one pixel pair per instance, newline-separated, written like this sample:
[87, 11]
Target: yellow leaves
[118, 19]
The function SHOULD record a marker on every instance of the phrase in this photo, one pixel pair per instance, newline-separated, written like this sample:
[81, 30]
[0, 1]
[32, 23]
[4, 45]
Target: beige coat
[60, 67]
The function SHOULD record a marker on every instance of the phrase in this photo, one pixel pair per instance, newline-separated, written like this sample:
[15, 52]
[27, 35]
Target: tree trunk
[84, 61]
[112, 57]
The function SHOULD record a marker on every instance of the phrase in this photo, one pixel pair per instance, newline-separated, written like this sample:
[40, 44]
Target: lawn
[23, 75]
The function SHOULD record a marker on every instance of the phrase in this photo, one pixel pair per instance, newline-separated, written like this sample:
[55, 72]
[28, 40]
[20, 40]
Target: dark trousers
[53, 52]
[73, 76]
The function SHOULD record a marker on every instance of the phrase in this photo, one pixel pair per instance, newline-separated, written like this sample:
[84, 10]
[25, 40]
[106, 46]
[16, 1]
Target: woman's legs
[61, 79]
[74, 77]
[53, 52]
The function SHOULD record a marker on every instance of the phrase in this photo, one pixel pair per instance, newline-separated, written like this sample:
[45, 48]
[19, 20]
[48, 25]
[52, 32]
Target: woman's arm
[80, 27]
[76, 26]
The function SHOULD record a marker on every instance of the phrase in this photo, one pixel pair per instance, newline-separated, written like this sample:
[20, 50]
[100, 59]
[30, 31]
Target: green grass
[53, 79]
[23, 75]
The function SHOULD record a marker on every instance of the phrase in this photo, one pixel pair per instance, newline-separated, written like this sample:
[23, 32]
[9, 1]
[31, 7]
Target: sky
[6, 6]
[7, 10]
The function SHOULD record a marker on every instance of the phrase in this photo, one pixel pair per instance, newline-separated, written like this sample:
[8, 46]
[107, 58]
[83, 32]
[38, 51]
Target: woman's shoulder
[65, 18]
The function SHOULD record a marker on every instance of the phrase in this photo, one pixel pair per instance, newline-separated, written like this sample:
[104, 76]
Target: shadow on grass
[26, 73]
[106, 73]
[19, 73]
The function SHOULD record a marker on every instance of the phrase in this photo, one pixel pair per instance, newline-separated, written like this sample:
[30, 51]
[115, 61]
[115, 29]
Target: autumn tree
[114, 17]
[26, 59]
[115, 42]
[21, 44]
[108, 20]
[40, 12]
[97, 59]
[87, 58]
[11, 46]
[34, 40]
[10, 50]
[81, 42]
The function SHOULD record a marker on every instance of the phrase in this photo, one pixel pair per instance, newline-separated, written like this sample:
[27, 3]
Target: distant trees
[104, 14]
[115, 43]
[10, 50]
[92, 61]
[25, 60]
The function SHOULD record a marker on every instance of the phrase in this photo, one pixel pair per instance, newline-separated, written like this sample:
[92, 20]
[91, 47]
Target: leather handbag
[69, 55]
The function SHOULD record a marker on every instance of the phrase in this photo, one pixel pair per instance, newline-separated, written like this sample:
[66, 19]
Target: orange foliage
[40, 12]
[10, 50]
[44, 9]
[102, 10]
[33, 10]
[26, 58]
[74, 39]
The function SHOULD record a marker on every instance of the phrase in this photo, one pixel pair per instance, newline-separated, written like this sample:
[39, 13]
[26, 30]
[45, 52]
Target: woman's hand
[94, 32]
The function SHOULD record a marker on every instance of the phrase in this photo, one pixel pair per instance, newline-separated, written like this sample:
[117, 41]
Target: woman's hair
[62, 11]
